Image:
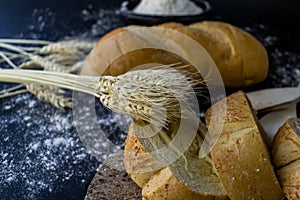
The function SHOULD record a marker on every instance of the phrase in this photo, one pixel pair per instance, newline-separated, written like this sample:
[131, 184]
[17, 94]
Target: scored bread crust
[180, 180]
[286, 157]
[240, 155]
[241, 59]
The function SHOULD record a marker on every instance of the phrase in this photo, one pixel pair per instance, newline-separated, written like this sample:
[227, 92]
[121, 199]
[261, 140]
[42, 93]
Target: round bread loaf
[286, 157]
[241, 59]
[240, 155]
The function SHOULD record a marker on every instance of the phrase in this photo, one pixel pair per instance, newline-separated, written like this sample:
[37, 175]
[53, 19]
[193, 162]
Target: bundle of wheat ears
[148, 95]
[152, 95]
[63, 56]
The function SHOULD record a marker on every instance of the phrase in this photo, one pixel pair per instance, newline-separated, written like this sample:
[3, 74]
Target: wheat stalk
[148, 95]
[64, 56]
[67, 46]
[50, 94]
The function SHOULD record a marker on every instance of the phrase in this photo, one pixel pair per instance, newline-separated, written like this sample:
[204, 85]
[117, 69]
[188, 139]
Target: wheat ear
[150, 95]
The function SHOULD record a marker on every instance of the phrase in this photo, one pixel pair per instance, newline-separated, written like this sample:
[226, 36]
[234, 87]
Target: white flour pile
[168, 8]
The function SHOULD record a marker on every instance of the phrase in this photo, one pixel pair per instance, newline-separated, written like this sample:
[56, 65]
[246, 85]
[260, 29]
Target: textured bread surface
[164, 185]
[111, 182]
[289, 177]
[241, 59]
[286, 157]
[139, 164]
[240, 156]
[188, 177]
[286, 144]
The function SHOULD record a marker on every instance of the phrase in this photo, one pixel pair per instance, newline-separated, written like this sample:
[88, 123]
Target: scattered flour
[42, 156]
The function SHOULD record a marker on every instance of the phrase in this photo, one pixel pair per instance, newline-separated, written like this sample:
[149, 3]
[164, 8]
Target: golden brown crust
[94, 65]
[204, 184]
[286, 157]
[241, 59]
[164, 185]
[286, 144]
[139, 164]
[240, 156]
[289, 177]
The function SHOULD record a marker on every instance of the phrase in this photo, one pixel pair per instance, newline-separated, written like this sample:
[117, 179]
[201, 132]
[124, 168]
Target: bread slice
[188, 177]
[286, 157]
[164, 185]
[289, 177]
[286, 143]
[112, 182]
[242, 60]
[139, 164]
[240, 155]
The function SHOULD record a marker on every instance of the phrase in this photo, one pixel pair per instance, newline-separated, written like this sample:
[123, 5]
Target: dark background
[277, 14]
[281, 18]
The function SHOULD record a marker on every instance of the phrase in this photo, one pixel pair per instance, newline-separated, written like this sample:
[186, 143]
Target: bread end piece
[286, 157]
[286, 143]
[240, 156]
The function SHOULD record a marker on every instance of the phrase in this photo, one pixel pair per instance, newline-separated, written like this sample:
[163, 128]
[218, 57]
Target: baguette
[286, 157]
[240, 155]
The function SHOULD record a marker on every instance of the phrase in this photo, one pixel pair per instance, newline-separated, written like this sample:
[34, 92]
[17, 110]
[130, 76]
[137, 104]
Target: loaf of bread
[241, 59]
[180, 180]
[240, 155]
[100, 63]
[286, 157]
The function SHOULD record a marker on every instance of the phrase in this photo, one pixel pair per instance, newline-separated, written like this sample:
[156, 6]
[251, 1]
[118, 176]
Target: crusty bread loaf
[180, 180]
[240, 155]
[97, 64]
[240, 58]
[286, 157]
